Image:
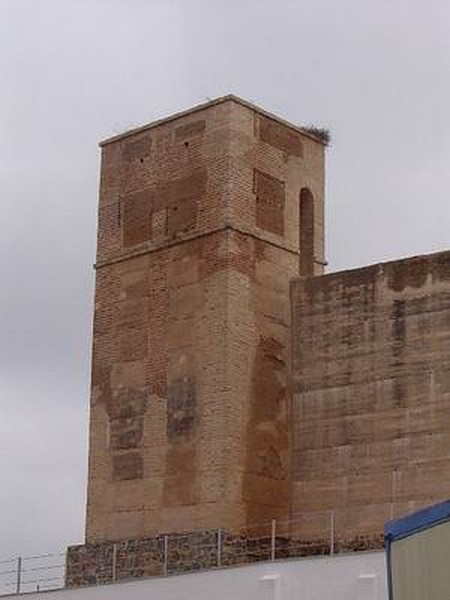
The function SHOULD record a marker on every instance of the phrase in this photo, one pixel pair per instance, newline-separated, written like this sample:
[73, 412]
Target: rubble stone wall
[164, 555]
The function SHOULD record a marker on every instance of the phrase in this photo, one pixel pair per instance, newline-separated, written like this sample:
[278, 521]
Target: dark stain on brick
[181, 409]
[178, 198]
[267, 434]
[271, 465]
[398, 334]
[407, 273]
[182, 216]
[100, 374]
[190, 129]
[270, 201]
[441, 266]
[360, 277]
[400, 393]
[169, 193]
[100, 382]
[127, 402]
[398, 321]
[181, 457]
[268, 380]
[280, 137]
[136, 148]
[129, 465]
[181, 197]
[322, 289]
[126, 433]
[136, 212]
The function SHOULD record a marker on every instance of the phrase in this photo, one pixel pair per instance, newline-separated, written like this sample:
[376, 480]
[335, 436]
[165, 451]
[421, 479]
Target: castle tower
[204, 219]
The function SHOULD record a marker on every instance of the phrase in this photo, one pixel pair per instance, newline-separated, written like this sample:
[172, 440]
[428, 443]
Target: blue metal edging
[423, 519]
[399, 529]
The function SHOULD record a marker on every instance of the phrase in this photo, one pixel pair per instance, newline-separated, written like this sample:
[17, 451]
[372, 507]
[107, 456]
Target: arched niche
[306, 233]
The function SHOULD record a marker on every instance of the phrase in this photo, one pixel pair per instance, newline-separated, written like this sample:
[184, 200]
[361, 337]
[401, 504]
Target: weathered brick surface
[198, 239]
[278, 165]
[280, 137]
[270, 200]
[185, 132]
[371, 394]
[128, 465]
[222, 395]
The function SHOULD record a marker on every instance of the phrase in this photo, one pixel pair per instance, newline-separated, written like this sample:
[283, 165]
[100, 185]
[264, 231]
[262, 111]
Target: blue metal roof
[418, 521]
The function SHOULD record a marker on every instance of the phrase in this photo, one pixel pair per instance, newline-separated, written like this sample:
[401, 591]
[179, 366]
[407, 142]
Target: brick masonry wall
[371, 395]
[197, 242]
[156, 457]
[267, 172]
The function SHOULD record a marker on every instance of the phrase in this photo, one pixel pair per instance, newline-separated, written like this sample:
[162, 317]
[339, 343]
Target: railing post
[272, 540]
[219, 547]
[166, 552]
[332, 533]
[19, 574]
[114, 562]
[64, 576]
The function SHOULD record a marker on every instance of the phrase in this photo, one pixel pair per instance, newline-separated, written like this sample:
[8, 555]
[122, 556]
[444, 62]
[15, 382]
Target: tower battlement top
[206, 105]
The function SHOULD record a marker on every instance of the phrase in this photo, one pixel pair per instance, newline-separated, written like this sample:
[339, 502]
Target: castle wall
[371, 394]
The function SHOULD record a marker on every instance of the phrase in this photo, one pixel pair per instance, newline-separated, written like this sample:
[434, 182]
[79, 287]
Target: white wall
[347, 577]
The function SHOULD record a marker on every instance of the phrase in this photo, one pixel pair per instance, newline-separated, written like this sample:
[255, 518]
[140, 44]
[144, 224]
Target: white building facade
[356, 576]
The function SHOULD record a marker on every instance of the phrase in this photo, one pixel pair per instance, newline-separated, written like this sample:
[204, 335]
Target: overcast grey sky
[376, 72]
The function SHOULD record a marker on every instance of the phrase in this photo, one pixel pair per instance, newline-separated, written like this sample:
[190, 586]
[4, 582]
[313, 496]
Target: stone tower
[204, 219]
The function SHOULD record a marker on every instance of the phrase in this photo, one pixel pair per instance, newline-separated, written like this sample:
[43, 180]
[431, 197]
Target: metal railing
[32, 573]
[319, 534]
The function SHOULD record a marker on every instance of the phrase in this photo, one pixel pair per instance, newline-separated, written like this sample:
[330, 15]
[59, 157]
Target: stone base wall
[105, 562]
